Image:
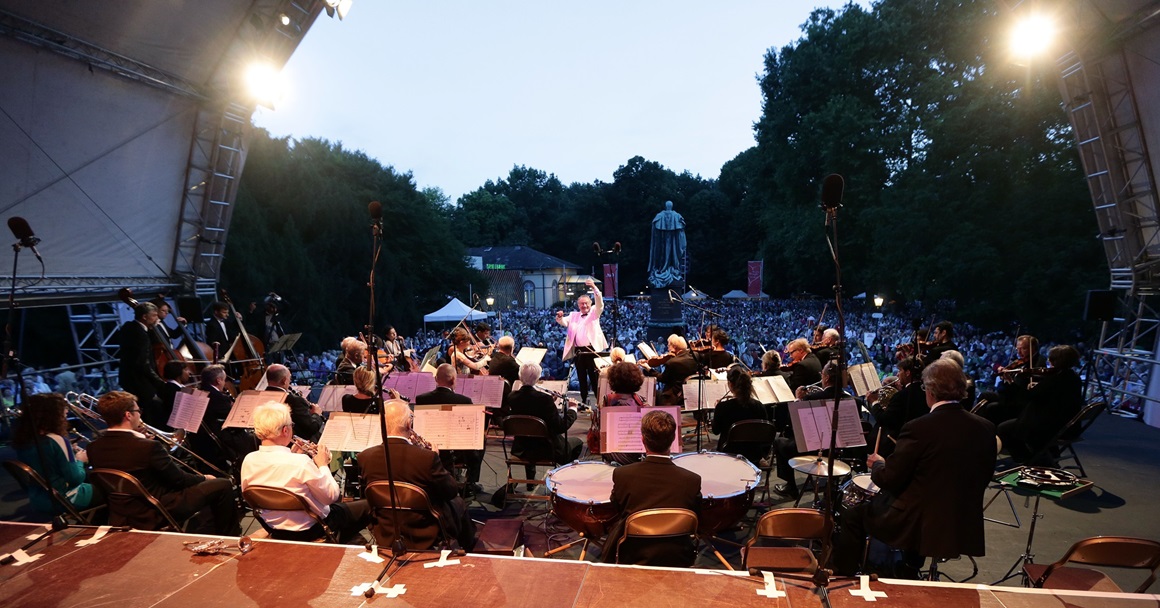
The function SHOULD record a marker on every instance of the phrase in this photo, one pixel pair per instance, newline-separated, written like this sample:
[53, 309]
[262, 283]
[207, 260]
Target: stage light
[284, 18]
[1032, 35]
[265, 84]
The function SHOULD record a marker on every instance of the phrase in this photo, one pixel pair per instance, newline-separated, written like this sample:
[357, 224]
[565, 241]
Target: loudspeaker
[1100, 305]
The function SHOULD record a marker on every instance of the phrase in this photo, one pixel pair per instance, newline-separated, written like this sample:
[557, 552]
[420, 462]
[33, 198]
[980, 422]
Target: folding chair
[786, 530]
[661, 524]
[414, 502]
[267, 498]
[27, 477]
[122, 485]
[528, 428]
[1108, 551]
[1069, 435]
[749, 433]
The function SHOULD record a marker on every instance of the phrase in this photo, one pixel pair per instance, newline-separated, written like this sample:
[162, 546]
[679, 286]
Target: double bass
[247, 351]
[163, 351]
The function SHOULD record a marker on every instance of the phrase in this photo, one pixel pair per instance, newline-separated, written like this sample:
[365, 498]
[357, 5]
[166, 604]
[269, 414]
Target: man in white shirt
[279, 466]
[585, 338]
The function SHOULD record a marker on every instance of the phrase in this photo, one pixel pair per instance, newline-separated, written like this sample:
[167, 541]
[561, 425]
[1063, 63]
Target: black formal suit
[224, 337]
[931, 502]
[167, 394]
[824, 354]
[344, 373]
[906, 405]
[673, 378]
[653, 483]
[805, 372]
[412, 464]
[232, 444]
[137, 374]
[731, 411]
[937, 350]
[472, 458]
[506, 367]
[530, 402]
[180, 492]
[1051, 403]
[307, 425]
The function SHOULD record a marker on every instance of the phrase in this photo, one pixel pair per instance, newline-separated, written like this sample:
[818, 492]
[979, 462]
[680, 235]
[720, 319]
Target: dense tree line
[962, 184]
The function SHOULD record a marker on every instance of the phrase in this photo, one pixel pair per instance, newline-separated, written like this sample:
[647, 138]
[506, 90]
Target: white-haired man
[585, 338]
[277, 465]
[530, 402]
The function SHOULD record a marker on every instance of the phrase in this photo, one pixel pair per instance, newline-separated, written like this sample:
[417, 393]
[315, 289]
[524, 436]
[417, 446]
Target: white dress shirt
[277, 466]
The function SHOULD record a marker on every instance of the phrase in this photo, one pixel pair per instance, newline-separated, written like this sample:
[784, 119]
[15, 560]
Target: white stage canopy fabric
[454, 311]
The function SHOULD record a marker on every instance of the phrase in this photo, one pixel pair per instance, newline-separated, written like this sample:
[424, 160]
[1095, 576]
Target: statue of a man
[668, 248]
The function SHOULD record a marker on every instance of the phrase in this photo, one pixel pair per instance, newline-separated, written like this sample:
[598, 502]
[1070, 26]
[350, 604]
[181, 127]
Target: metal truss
[93, 327]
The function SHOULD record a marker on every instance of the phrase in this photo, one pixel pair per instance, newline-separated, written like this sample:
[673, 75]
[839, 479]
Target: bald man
[416, 465]
[445, 394]
[503, 362]
[307, 416]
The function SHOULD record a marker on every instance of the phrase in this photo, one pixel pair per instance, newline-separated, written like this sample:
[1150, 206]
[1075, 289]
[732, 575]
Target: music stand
[1016, 480]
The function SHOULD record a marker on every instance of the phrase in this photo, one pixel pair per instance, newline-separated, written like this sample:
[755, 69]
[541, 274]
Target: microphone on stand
[596, 249]
[674, 297]
[832, 188]
[616, 248]
[23, 232]
[375, 208]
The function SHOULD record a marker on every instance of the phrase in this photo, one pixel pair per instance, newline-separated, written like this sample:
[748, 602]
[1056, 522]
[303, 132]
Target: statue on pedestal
[667, 252]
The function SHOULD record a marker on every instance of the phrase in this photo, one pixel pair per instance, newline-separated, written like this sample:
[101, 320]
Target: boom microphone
[376, 210]
[596, 248]
[616, 248]
[23, 232]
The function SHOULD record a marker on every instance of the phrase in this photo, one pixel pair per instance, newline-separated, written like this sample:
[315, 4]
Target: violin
[660, 359]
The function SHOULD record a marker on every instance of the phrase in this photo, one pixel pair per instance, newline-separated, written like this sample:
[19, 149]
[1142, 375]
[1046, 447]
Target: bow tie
[584, 314]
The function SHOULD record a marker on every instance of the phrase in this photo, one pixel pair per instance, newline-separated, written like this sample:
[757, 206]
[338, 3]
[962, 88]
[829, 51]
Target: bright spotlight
[266, 84]
[1032, 36]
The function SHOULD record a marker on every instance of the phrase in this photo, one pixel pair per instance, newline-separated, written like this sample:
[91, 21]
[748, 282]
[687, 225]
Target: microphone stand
[702, 365]
[10, 358]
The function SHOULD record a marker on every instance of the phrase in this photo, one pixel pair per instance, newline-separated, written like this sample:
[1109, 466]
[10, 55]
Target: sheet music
[350, 432]
[864, 377]
[647, 350]
[711, 391]
[482, 390]
[772, 389]
[647, 390]
[409, 384]
[451, 427]
[262, 384]
[330, 400]
[603, 362]
[620, 428]
[303, 390]
[242, 414]
[560, 386]
[811, 424]
[188, 409]
[531, 354]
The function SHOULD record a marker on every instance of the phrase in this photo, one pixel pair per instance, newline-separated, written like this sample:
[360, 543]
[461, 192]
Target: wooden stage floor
[131, 569]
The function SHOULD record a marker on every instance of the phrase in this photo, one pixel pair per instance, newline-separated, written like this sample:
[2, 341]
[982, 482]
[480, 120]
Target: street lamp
[878, 301]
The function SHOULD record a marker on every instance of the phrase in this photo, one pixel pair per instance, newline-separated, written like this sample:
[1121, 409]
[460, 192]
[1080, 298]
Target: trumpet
[84, 408]
[306, 447]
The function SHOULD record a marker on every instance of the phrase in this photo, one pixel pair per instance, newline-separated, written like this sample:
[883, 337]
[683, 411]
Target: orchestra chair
[783, 541]
[1071, 434]
[27, 477]
[121, 486]
[660, 524]
[415, 504]
[269, 498]
[1107, 551]
[528, 428]
[747, 433]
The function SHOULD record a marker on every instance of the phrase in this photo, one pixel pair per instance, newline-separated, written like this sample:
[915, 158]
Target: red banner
[611, 278]
[753, 290]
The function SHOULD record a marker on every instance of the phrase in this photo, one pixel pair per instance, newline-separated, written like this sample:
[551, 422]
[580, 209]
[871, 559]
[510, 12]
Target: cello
[247, 351]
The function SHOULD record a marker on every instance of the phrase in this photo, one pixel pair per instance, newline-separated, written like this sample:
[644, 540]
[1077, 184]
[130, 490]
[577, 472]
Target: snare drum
[582, 496]
[727, 484]
[857, 490]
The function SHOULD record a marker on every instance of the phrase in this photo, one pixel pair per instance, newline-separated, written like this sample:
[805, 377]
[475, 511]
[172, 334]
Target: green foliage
[300, 228]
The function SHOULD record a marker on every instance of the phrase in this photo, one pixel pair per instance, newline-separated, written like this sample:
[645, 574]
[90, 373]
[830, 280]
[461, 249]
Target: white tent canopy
[454, 311]
[737, 294]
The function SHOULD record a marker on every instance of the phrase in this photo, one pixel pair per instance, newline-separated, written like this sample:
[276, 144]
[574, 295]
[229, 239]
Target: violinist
[771, 365]
[484, 343]
[942, 340]
[137, 373]
[458, 354]
[804, 367]
[354, 353]
[679, 364]
[717, 357]
[503, 362]
[393, 348]
[1054, 399]
[827, 348]
[1008, 399]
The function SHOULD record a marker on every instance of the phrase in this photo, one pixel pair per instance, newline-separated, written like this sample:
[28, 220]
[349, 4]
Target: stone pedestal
[665, 317]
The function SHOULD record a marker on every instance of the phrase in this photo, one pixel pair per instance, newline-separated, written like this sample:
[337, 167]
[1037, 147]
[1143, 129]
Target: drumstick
[892, 440]
[878, 440]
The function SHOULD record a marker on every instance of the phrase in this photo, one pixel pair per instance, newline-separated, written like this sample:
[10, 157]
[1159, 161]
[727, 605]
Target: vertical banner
[611, 279]
[754, 288]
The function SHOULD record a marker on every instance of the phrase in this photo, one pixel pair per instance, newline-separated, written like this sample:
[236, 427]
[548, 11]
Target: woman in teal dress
[41, 442]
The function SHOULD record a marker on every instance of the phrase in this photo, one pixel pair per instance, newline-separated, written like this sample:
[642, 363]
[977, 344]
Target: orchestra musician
[307, 416]
[654, 483]
[354, 352]
[1054, 399]
[277, 465]
[804, 367]
[163, 312]
[679, 365]
[503, 363]
[457, 354]
[828, 348]
[216, 444]
[584, 338]
[363, 400]
[220, 329]
[771, 365]
[741, 406]
[530, 402]
[444, 394]
[41, 441]
[393, 346]
[1007, 401]
[785, 446]
[932, 486]
[176, 376]
[717, 357]
[416, 465]
[137, 372]
[942, 340]
[908, 403]
[624, 380]
[123, 448]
